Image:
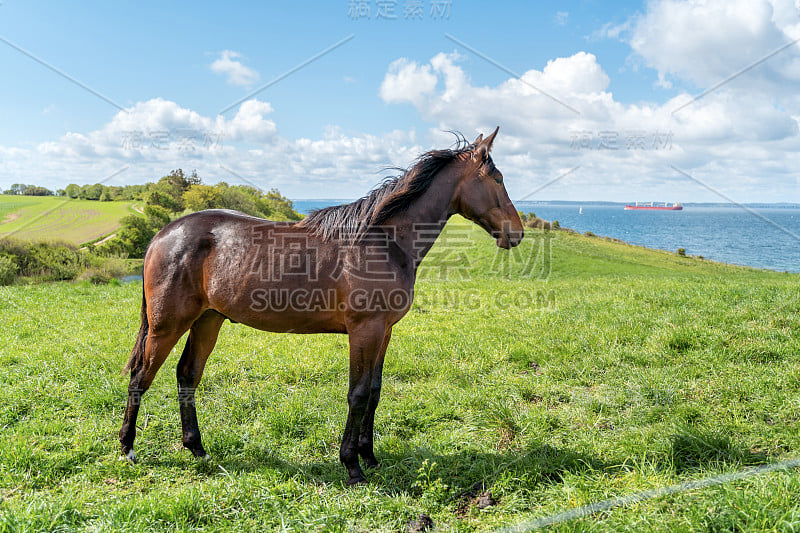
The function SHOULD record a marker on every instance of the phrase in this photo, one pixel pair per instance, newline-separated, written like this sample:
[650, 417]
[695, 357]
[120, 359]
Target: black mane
[349, 222]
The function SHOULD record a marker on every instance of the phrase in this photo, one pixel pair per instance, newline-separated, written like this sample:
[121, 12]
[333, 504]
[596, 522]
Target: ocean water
[761, 237]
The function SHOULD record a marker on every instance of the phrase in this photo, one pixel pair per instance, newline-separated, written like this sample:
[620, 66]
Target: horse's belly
[295, 310]
[295, 322]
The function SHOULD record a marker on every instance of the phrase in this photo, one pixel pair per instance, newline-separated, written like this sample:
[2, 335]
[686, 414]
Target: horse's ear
[480, 152]
[483, 146]
[490, 139]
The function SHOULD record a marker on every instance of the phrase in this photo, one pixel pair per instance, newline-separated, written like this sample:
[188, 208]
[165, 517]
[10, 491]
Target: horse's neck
[418, 226]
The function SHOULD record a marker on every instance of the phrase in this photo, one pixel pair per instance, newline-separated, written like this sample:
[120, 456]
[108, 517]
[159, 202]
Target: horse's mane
[350, 222]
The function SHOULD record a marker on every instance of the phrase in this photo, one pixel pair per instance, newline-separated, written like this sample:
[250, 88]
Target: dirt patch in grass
[477, 496]
[11, 217]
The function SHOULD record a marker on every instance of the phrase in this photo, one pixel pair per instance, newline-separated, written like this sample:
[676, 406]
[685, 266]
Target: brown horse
[346, 269]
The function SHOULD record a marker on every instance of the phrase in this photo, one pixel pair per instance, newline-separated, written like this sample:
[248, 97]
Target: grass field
[51, 217]
[624, 370]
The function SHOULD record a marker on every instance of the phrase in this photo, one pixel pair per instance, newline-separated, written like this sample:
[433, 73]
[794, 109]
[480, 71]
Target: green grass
[624, 370]
[50, 217]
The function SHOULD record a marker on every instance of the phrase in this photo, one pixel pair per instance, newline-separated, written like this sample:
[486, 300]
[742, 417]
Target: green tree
[132, 238]
[91, 192]
[281, 208]
[115, 192]
[157, 216]
[72, 190]
[171, 188]
[239, 199]
[163, 199]
[134, 192]
[199, 197]
[36, 190]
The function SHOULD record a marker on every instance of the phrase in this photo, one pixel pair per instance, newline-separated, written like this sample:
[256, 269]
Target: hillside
[51, 217]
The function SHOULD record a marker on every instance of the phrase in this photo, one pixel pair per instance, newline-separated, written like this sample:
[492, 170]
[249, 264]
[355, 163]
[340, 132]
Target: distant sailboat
[580, 210]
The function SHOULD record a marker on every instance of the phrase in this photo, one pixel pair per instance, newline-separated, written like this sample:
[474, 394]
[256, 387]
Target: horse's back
[244, 268]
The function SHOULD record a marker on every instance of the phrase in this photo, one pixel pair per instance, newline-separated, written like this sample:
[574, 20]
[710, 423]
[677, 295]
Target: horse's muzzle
[510, 239]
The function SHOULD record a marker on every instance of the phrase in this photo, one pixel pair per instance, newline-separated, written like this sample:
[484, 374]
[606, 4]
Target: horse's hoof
[206, 458]
[356, 481]
[372, 464]
[198, 452]
[130, 457]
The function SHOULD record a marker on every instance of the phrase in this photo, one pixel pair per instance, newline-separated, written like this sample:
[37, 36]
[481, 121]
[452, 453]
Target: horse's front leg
[365, 437]
[366, 340]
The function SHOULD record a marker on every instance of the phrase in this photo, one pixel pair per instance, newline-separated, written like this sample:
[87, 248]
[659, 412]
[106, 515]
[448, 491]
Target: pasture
[55, 217]
[550, 381]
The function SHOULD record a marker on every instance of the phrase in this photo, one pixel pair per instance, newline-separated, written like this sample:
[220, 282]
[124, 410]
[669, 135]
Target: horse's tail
[137, 355]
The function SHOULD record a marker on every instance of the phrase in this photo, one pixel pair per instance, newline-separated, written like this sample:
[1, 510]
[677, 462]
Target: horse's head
[481, 195]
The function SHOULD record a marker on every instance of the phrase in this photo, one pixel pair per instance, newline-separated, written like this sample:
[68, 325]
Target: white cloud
[561, 18]
[709, 42]
[249, 124]
[611, 30]
[407, 82]
[153, 137]
[238, 74]
[733, 141]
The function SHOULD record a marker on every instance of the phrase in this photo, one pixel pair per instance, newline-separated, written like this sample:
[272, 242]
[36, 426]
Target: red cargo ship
[653, 206]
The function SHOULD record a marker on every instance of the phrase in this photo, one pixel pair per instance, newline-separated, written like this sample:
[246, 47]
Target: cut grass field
[54, 217]
[624, 370]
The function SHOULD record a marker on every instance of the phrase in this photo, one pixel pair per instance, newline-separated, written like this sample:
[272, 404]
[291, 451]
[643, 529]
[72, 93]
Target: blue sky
[620, 69]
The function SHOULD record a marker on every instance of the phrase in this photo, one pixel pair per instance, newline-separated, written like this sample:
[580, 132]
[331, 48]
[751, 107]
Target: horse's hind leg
[157, 347]
[201, 341]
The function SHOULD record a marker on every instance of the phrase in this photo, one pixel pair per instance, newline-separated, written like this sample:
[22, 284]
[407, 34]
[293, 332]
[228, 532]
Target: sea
[757, 235]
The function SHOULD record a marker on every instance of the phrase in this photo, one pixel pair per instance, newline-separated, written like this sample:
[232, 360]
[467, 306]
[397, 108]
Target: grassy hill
[571, 370]
[50, 217]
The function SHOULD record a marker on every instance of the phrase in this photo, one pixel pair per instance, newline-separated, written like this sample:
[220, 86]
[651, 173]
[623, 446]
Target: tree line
[177, 194]
[97, 191]
[172, 196]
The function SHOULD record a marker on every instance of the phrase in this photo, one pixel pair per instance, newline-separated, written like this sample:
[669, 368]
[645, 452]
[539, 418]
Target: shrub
[8, 270]
[104, 270]
[54, 261]
[681, 252]
[157, 216]
[525, 218]
[532, 221]
[47, 261]
[132, 238]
